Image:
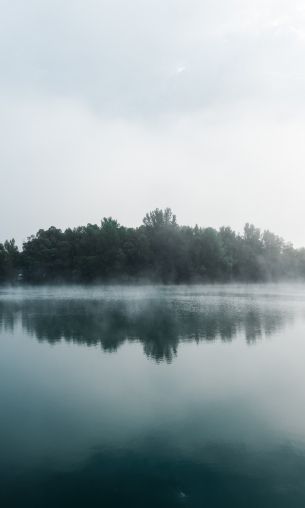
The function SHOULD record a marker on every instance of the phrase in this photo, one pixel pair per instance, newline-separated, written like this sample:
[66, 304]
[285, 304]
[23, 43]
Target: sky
[116, 107]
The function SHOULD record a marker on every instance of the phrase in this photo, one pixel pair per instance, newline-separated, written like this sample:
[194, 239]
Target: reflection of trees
[158, 325]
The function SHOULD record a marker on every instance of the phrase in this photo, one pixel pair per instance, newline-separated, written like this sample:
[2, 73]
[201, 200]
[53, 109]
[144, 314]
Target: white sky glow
[113, 108]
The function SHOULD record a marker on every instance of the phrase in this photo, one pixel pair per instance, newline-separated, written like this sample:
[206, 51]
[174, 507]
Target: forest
[159, 251]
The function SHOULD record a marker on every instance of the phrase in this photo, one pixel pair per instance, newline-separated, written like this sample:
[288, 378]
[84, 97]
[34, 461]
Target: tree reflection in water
[160, 325]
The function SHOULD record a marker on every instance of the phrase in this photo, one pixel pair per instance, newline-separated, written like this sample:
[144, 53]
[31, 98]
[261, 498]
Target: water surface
[152, 396]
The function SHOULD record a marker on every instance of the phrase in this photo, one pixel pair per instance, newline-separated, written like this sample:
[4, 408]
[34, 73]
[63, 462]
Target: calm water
[152, 397]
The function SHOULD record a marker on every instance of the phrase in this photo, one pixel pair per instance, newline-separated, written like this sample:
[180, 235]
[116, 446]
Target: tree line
[159, 250]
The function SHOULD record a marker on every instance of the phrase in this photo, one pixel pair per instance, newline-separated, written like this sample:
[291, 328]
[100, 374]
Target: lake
[175, 396]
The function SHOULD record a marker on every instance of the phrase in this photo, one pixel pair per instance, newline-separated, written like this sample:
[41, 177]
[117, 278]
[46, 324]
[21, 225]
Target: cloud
[115, 107]
[118, 56]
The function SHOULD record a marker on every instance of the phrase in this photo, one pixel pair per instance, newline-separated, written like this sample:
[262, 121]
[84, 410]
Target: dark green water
[152, 397]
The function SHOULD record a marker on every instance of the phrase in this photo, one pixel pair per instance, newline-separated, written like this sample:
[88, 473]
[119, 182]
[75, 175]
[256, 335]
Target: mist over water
[157, 317]
[152, 254]
[152, 396]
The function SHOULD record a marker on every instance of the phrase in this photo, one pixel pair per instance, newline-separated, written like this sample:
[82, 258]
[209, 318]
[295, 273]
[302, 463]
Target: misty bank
[158, 251]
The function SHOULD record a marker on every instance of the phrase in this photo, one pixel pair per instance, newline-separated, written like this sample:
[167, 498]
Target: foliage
[158, 251]
[9, 261]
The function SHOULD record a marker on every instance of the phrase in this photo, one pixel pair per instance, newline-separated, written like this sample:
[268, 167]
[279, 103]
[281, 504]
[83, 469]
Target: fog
[115, 108]
[160, 318]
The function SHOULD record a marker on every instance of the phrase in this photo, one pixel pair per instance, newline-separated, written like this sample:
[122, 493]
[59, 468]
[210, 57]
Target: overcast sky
[115, 107]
